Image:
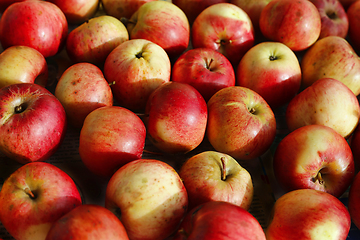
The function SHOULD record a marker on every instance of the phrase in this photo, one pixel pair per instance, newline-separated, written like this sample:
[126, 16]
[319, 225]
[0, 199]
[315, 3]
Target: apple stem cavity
[223, 168]
[208, 65]
[30, 193]
[252, 110]
[318, 178]
[273, 58]
[20, 108]
[332, 15]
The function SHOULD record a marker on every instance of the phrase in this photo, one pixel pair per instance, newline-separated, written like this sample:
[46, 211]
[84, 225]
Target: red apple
[34, 197]
[276, 76]
[219, 220]
[205, 69]
[308, 214]
[81, 89]
[240, 123]
[225, 28]
[33, 122]
[354, 200]
[353, 14]
[38, 24]
[176, 117]
[297, 24]
[122, 8]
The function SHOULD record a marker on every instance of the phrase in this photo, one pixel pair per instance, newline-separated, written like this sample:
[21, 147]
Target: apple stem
[223, 170]
[209, 64]
[112, 83]
[30, 193]
[252, 110]
[319, 178]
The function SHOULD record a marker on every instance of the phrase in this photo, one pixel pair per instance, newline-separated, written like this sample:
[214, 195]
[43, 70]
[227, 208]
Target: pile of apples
[174, 75]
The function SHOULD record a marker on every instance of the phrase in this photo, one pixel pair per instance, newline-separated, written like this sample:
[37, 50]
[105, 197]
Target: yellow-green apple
[175, 118]
[90, 222]
[354, 201]
[22, 64]
[353, 14]
[314, 157]
[334, 20]
[326, 102]
[331, 57]
[225, 28]
[94, 39]
[33, 122]
[109, 138]
[149, 198]
[77, 11]
[272, 70]
[122, 8]
[135, 69]
[214, 176]
[308, 214]
[240, 123]
[163, 23]
[219, 220]
[205, 69]
[38, 24]
[297, 24]
[81, 89]
[34, 197]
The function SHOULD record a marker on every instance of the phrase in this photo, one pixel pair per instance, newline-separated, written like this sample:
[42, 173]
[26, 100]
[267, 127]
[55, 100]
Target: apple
[225, 28]
[297, 24]
[240, 123]
[110, 137]
[214, 176]
[219, 220]
[163, 23]
[175, 118]
[34, 197]
[38, 24]
[272, 70]
[354, 199]
[205, 69]
[331, 57]
[22, 64]
[135, 69]
[149, 198]
[94, 39]
[354, 141]
[88, 221]
[308, 214]
[33, 122]
[334, 20]
[353, 14]
[81, 89]
[122, 8]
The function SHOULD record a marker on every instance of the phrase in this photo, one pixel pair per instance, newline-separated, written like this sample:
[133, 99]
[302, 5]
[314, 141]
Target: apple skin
[214, 176]
[205, 69]
[297, 24]
[21, 24]
[225, 28]
[354, 199]
[331, 57]
[353, 14]
[219, 220]
[22, 64]
[326, 102]
[355, 146]
[81, 89]
[150, 196]
[111, 137]
[90, 222]
[175, 118]
[135, 69]
[308, 214]
[272, 70]
[33, 122]
[94, 39]
[240, 123]
[30, 218]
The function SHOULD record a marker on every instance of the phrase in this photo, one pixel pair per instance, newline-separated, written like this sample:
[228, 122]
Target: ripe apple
[272, 70]
[34, 197]
[94, 39]
[308, 214]
[111, 137]
[90, 222]
[353, 14]
[225, 28]
[240, 123]
[81, 89]
[150, 197]
[219, 220]
[331, 57]
[122, 8]
[175, 118]
[33, 122]
[205, 69]
[354, 200]
[22, 64]
[297, 24]
[135, 69]
[38, 24]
